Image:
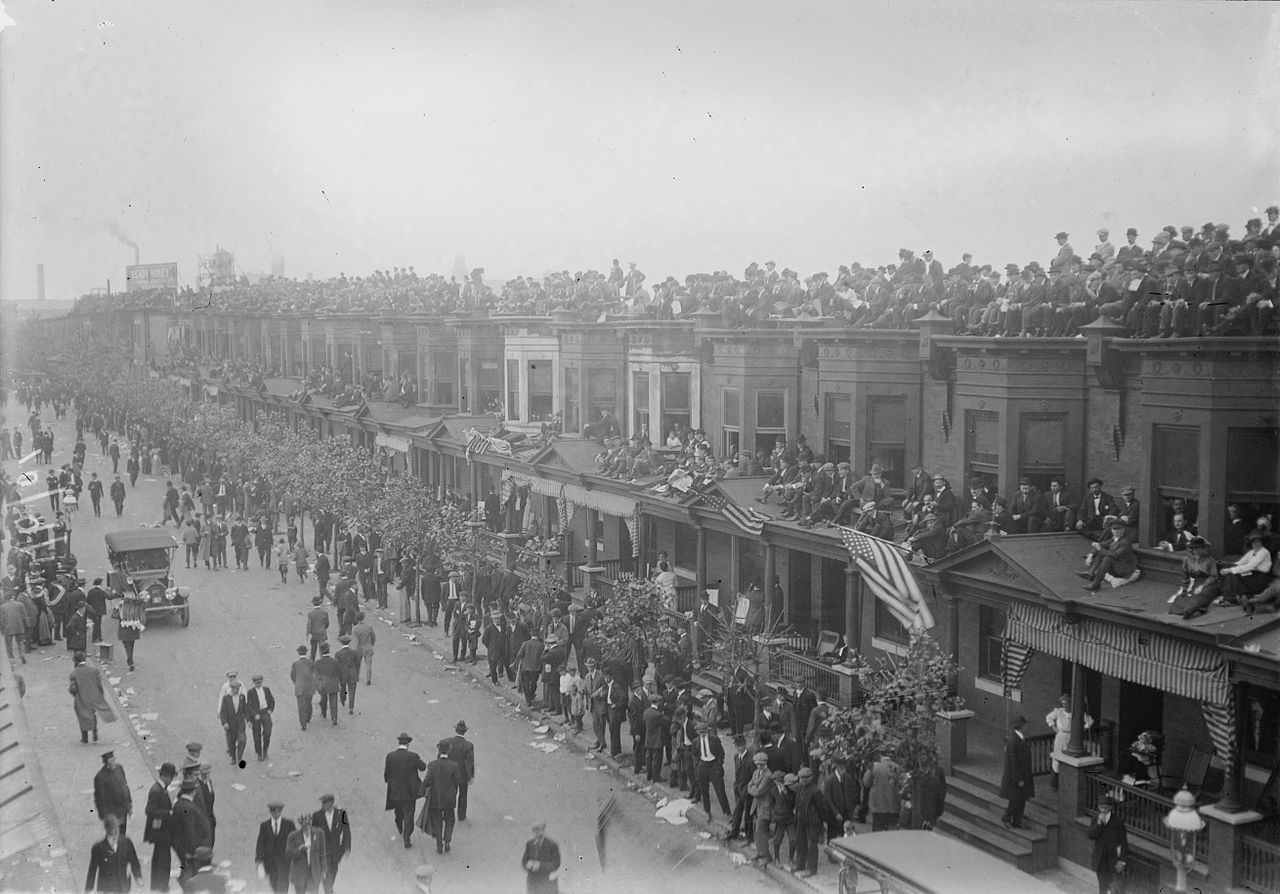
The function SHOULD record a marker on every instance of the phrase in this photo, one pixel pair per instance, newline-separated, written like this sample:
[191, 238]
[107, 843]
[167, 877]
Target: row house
[1196, 420]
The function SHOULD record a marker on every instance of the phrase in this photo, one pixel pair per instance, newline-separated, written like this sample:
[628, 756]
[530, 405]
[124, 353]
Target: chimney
[137, 255]
[39, 282]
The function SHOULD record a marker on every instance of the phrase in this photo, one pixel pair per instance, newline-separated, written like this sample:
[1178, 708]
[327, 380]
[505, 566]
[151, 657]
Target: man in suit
[328, 680]
[346, 599]
[463, 753]
[1130, 512]
[593, 684]
[190, 827]
[335, 829]
[1110, 843]
[1059, 508]
[1094, 509]
[842, 791]
[348, 660]
[806, 701]
[497, 646]
[260, 704]
[111, 795]
[112, 860]
[788, 747]
[317, 625]
[1113, 556]
[743, 765]
[158, 832]
[270, 853]
[1027, 509]
[234, 717]
[404, 785]
[708, 767]
[763, 789]
[204, 799]
[307, 858]
[1017, 784]
[441, 788]
[303, 675]
[540, 860]
[655, 723]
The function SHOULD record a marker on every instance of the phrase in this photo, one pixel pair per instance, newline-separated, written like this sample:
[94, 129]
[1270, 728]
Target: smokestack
[137, 256]
[39, 282]
[108, 288]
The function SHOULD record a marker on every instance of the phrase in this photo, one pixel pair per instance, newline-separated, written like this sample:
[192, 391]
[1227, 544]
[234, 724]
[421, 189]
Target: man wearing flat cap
[1110, 843]
[404, 785]
[111, 795]
[334, 828]
[270, 853]
[1113, 555]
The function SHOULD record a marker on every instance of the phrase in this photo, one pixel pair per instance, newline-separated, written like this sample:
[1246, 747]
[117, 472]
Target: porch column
[852, 609]
[770, 570]
[1232, 800]
[1075, 745]
[593, 519]
[953, 637]
[700, 573]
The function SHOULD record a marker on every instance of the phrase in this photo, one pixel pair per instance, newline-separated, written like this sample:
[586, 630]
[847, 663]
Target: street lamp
[1184, 824]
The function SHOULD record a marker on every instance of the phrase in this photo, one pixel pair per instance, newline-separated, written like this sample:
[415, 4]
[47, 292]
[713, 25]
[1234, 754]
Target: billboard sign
[141, 277]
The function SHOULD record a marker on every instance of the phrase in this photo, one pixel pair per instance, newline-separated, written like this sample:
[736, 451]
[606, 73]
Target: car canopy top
[141, 538]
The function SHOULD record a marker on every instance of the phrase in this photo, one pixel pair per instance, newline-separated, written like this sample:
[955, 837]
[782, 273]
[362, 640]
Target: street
[250, 622]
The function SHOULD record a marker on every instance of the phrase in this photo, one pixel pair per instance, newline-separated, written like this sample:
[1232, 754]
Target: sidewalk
[68, 767]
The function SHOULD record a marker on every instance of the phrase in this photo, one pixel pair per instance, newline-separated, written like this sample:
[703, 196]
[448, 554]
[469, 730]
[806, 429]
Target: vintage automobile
[142, 572]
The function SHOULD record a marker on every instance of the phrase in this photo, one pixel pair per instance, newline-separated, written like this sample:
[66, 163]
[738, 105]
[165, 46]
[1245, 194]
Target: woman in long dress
[202, 554]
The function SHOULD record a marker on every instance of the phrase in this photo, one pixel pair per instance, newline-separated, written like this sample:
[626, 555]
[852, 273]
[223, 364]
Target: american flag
[885, 570]
[477, 444]
[748, 520]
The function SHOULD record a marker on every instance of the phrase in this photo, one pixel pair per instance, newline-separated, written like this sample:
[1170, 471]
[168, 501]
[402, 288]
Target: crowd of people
[1190, 281]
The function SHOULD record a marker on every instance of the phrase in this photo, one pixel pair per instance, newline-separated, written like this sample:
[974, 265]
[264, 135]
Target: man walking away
[404, 785]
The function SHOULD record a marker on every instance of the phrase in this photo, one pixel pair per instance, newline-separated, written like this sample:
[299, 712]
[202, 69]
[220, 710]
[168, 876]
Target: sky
[536, 136]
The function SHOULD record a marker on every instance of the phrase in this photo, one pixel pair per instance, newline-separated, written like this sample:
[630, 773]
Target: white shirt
[1255, 560]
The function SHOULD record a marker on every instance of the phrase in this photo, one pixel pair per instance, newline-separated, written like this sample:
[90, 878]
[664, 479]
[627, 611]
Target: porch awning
[609, 504]
[1150, 659]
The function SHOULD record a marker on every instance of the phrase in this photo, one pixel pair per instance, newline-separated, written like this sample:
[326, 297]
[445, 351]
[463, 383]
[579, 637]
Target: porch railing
[612, 570]
[1097, 742]
[1260, 857]
[1143, 811]
[795, 669]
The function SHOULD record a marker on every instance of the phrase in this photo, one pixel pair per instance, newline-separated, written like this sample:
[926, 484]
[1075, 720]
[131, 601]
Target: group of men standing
[444, 787]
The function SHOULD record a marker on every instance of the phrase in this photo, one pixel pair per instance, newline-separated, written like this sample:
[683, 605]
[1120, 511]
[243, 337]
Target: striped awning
[1015, 659]
[1220, 720]
[1149, 659]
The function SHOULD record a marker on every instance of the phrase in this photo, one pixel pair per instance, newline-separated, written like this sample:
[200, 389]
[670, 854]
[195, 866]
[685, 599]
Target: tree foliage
[898, 710]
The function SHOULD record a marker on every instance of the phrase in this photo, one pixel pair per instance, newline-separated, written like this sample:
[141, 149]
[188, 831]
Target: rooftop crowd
[1186, 281]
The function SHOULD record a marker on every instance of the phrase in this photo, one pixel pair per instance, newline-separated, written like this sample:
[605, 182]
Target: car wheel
[186, 616]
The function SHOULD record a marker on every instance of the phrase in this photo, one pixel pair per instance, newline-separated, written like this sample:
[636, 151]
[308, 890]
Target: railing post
[953, 738]
[1226, 830]
[1073, 788]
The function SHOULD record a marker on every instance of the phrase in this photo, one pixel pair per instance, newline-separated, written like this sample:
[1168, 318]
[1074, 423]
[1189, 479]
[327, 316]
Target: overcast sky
[687, 137]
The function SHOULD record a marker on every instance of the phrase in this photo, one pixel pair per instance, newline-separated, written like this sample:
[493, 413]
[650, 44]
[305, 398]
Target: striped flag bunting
[885, 570]
[479, 444]
[749, 520]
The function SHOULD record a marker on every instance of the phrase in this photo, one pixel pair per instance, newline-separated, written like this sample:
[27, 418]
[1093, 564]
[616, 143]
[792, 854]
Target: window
[771, 419]
[1253, 476]
[686, 547]
[490, 386]
[887, 436]
[572, 404]
[1260, 735]
[731, 401]
[991, 625]
[640, 401]
[446, 375]
[602, 391]
[513, 389]
[887, 626]
[1043, 446]
[541, 390]
[982, 443]
[677, 405]
[1176, 475]
[836, 427]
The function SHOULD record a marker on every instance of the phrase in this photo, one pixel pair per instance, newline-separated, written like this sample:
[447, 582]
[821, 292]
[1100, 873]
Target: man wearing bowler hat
[1094, 509]
[270, 851]
[190, 827]
[404, 785]
[159, 833]
[463, 753]
[1017, 784]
